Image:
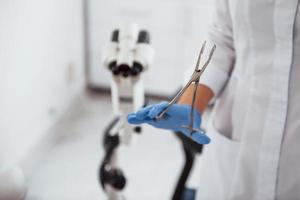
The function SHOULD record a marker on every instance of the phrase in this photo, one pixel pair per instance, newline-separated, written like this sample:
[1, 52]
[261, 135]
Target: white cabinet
[177, 29]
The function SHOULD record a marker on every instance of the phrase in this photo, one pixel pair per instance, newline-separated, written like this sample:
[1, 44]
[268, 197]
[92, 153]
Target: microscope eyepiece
[144, 37]
[115, 36]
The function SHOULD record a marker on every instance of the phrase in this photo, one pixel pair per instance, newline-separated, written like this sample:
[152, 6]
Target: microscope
[127, 56]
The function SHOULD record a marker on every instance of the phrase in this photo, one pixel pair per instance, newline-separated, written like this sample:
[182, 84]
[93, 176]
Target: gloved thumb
[200, 138]
[143, 112]
[157, 109]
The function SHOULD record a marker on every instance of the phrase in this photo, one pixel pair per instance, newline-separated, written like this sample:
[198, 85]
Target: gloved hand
[174, 118]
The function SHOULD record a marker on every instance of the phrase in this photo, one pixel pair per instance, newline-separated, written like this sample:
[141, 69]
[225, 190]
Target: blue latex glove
[175, 117]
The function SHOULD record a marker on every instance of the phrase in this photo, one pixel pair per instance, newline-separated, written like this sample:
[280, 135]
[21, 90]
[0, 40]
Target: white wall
[177, 29]
[41, 69]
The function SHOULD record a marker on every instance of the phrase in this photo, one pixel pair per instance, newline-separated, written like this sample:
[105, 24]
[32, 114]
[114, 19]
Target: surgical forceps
[195, 78]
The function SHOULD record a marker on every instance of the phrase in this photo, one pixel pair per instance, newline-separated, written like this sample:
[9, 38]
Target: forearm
[203, 97]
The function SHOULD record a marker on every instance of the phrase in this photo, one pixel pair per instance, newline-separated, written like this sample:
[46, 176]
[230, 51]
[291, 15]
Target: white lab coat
[255, 125]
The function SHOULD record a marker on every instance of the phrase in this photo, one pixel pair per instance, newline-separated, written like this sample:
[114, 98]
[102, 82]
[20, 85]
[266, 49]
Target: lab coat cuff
[215, 79]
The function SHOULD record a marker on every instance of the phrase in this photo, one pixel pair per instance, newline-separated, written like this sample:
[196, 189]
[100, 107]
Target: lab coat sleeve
[220, 33]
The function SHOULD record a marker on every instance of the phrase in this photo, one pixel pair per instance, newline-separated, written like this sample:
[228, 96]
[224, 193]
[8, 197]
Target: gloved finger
[200, 138]
[157, 109]
[143, 113]
[132, 119]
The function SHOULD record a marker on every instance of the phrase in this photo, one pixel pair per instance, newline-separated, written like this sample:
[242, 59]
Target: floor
[68, 171]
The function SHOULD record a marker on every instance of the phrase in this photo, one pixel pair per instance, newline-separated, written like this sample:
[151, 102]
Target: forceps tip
[200, 55]
[203, 46]
[214, 47]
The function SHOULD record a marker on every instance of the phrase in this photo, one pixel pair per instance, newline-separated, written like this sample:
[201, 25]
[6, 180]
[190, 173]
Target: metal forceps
[195, 78]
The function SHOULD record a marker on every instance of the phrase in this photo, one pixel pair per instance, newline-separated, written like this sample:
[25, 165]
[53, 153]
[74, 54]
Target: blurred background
[55, 100]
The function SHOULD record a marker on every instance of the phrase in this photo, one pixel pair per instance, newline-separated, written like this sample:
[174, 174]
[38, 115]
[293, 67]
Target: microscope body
[128, 55]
